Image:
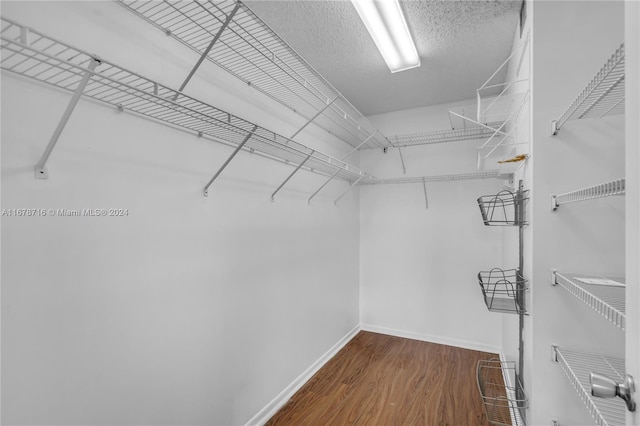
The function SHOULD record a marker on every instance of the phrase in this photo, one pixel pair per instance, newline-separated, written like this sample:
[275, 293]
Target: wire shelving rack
[436, 178]
[607, 189]
[578, 366]
[443, 136]
[603, 295]
[229, 34]
[32, 55]
[603, 96]
[503, 397]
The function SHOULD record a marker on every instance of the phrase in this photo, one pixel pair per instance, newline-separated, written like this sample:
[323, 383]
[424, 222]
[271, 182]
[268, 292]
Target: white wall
[632, 196]
[419, 266]
[572, 40]
[190, 310]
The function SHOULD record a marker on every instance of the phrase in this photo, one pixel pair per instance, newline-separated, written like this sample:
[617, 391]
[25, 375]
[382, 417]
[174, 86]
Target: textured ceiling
[461, 43]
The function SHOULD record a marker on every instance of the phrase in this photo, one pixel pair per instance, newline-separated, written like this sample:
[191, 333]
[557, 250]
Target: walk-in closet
[313, 212]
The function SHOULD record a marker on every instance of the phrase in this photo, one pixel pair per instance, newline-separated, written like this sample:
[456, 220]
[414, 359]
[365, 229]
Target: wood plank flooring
[384, 380]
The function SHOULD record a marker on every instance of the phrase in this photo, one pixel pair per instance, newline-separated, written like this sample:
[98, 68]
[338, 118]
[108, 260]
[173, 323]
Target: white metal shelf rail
[607, 300]
[607, 189]
[229, 34]
[444, 136]
[30, 54]
[578, 366]
[424, 179]
[604, 95]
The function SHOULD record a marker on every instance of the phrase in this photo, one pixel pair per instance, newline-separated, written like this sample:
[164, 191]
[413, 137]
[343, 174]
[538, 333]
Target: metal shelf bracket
[424, 187]
[208, 49]
[404, 169]
[348, 190]
[226, 163]
[338, 171]
[40, 168]
[290, 176]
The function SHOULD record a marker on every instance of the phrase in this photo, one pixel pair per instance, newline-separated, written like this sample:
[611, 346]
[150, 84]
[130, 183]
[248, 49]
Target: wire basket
[506, 208]
[503, 290]
[504, 403]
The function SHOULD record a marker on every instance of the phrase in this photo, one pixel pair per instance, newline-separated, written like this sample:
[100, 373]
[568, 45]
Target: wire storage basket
[506, 208]
[503, 397]
[503, 290]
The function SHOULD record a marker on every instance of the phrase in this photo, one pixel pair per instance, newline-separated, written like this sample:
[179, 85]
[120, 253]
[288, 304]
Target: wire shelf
[607, 189]
[254, 53]
[506, 208]
[604, 95]
[503, 290]
[30, 54]
[603, 295]
[443, 136]
[503, 404]
[578, 366]
[438, 178]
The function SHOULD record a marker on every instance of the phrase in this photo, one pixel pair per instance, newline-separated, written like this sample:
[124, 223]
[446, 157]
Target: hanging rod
[444, 136]
[603, 295]
[44, 59]
[578, 366]
[604, 95]
[254, 53]
[439, 178]
[607, 189]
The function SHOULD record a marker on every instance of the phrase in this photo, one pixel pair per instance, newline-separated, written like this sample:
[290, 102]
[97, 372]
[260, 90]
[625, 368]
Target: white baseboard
[476, 346]
[278, 402]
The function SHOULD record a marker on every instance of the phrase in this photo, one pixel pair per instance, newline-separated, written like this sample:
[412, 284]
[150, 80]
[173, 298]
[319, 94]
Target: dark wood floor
[384, 380]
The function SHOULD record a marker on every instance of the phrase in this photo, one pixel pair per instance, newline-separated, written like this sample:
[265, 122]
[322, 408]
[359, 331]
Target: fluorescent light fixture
[388, 29]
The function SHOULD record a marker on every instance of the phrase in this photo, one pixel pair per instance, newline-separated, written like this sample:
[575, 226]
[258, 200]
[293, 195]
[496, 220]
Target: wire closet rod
[30, 54]
[438, 178]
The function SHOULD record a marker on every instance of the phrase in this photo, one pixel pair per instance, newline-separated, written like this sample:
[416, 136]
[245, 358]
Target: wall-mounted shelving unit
[437, 178]
[578, 366]
[502, 393]
[603, 96]
[503, 290]
[230, 35]
[444, 136]
[604, 295]
[596, 377]
[424, 179]
[30, 54]
[607, 189]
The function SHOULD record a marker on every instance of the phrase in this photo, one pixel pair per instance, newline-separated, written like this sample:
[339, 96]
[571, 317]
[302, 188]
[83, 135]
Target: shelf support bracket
[404, 169]
[290, 176]
[225, 24]
[40, 168]
[338, 170]
[226, 163]
[309, 121]
[424, 186]
[348, 190]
